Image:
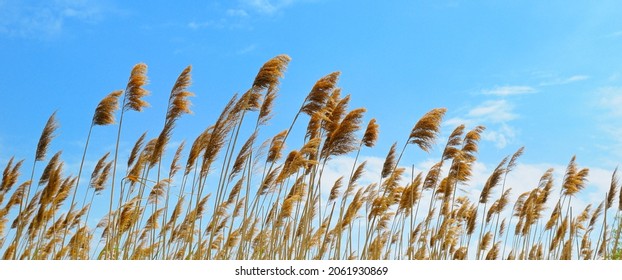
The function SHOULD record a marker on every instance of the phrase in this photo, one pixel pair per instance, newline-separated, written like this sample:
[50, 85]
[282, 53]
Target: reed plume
[454, 141]
[104, 113]
[317, 97]
[46, 137]
[389, 162]
[424, 133]
[575, 179]
[271, 201]
[613, 189]
[276, 147]
[270, 73]
[343, 140]
[135, 91]
[132, 100]
[178, 104]
[371, 134]
[492, 181]
[178, 99]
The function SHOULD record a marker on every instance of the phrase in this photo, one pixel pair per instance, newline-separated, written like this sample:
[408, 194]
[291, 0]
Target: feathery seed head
[104, 113]
[427, 128]
[46, 137]
[269, 74]
[316, 99]
[371, 134]
[134, 92]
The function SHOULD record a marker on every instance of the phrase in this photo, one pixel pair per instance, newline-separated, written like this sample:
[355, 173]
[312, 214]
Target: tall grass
[236, 198]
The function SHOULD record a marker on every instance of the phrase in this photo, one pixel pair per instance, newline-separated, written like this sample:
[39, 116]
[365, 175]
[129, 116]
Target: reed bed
[230, 195]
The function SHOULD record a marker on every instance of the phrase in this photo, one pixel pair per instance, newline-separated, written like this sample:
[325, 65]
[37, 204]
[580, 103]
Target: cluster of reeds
[236, 197]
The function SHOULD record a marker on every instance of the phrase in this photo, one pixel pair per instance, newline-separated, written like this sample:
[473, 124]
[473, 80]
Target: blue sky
[546, 75]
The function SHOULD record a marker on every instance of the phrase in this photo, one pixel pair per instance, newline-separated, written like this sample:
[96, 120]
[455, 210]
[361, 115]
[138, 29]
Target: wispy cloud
[242, 14]
[267, 7]
[45, 18]
[614, 34]
[501, 137]
[564, 81]
[610, 99]
[230, 18]
[607, 102]
[509, 90]
[195, 25]
[236, 13]
[495, 115]
[494, 111]
[549, 80]
[247, 49]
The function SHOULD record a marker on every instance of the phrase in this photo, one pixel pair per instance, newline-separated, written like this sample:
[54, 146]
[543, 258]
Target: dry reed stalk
[42, 146]
[178, 104]
[460, 169]
[288, 229]
[243, 155]
[132, 100]
[492, 181]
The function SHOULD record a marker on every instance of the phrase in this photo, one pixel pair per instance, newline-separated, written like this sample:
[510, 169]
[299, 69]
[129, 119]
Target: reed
[244, 189]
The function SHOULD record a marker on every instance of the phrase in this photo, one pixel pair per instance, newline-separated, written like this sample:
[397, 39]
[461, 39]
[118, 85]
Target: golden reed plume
[427, 128]
[134, 92]
[104, 113]
[269, 74]
[46, 137]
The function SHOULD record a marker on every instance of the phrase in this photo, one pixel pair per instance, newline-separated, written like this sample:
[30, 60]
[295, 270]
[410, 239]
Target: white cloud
[247, 49]
[564, 81]
[614, 34]
[198, 25]
[491, 111]
[575, 78]
[342, 166]
[456, 121]
[509, 90]
[607, 102]
[610, 98]
[549, 80]
[267, 7]
[495, 115]
[237, 13]
[495, 111]
[45, 18]
[501, 137]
